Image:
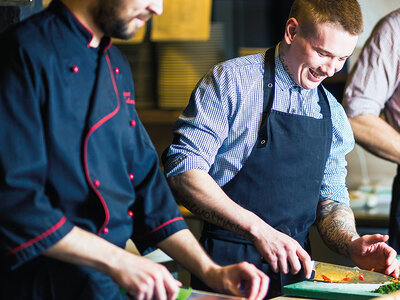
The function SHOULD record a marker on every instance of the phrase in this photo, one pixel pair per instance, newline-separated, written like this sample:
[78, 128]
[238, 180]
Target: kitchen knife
[336, 273]
[190, 294]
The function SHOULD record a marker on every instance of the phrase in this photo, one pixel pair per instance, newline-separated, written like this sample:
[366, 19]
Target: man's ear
[291, 29]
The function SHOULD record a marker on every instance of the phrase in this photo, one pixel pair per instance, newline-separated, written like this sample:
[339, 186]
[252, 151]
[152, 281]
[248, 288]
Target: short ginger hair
[346, 13]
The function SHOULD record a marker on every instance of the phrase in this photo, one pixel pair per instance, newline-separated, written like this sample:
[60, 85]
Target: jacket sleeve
[156, 214]
[29, 224]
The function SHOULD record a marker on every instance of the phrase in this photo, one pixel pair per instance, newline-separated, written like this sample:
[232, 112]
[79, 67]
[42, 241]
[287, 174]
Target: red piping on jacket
[91, 130]
[161, 226]
[108, 45]
[38, 238]
[88, 30]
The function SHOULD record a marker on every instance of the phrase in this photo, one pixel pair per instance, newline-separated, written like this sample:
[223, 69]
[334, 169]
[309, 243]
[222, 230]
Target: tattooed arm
[199, 193]
[336, 225]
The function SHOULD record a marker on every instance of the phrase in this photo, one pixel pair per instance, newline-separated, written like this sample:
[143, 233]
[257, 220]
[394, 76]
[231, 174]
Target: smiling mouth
[313, 73]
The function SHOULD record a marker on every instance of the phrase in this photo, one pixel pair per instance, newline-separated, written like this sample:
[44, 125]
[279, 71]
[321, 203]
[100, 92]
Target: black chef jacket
[73, 153]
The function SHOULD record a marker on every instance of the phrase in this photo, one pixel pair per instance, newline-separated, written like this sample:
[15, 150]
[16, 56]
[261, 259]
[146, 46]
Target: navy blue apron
[280, 182]
[394, 218]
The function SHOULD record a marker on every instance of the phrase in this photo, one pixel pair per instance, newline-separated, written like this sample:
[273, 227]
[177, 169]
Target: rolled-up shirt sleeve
[333, 186]
[29, 223]
[375, 76]
[203, 126]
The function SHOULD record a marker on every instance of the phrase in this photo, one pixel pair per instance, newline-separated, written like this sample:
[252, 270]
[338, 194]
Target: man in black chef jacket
[259, 152]
[78, 173]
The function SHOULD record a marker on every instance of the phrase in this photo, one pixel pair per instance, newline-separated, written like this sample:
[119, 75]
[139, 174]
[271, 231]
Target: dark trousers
[394, 219]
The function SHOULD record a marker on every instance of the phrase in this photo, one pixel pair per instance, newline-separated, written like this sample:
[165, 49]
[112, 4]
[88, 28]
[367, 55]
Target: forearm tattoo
[336, 225]
[215, 218]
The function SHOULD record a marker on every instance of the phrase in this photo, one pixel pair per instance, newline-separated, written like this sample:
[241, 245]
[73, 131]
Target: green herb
[388, 288]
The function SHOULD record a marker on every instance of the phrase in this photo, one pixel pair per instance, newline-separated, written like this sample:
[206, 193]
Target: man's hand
[281, 252]
[336, 224]
[202, 196]
[144, 279]
[371, 251]
[140, 277]
[242, 280]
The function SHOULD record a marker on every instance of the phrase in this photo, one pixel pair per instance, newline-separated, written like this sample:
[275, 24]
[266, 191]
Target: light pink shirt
[374, 82]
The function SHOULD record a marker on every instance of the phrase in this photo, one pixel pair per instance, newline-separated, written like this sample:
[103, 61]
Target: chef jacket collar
[82, 33]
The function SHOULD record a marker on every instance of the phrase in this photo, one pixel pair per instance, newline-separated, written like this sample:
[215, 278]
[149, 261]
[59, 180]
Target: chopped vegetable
[388, 288]
[346, 278]
[373, 269]
[361, 277]
[325, 278]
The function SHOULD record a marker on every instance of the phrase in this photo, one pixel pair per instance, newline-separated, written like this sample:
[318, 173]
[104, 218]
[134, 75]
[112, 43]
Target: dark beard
[106, 17]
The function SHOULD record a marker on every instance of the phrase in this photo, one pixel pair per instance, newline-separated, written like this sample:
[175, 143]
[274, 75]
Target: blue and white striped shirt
[219, 128]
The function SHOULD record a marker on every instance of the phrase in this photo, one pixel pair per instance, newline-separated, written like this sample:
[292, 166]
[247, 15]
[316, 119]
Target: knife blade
[191, 294]
[336, 273]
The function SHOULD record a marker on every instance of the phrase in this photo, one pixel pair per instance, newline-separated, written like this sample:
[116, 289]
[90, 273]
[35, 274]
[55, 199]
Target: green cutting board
[327, 290]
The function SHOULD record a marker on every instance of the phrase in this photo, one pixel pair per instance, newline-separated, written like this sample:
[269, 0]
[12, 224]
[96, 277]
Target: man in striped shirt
[259, 152]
